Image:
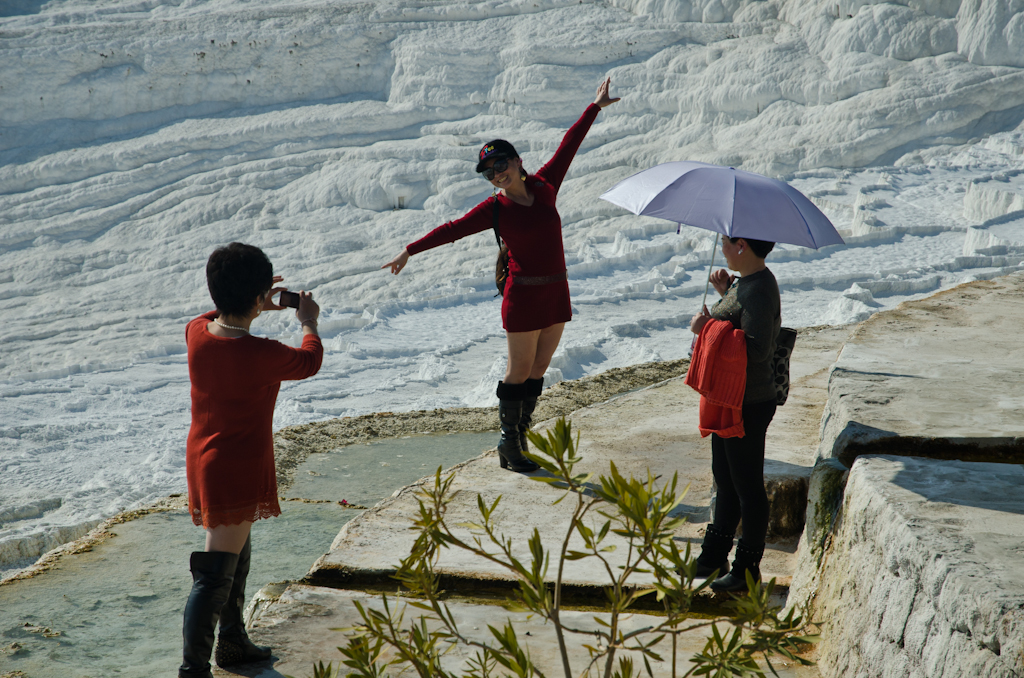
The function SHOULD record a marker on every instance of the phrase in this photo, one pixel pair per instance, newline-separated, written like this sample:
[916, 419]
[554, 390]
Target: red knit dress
[534, 238]
[229, 459]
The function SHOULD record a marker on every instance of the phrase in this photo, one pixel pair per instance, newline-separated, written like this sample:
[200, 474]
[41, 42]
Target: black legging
[738, 466]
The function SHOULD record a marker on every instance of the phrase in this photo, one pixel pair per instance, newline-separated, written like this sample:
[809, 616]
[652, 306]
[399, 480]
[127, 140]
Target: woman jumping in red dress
[536, 296]
[232, 479]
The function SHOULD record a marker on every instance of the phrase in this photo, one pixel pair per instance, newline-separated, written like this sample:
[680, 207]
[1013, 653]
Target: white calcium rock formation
[995, 196]
[922, 576]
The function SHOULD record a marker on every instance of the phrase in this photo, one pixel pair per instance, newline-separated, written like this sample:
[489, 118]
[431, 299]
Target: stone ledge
[923, 575]
[651, 430]
[498, 590]
[939, 377]
[634, 431]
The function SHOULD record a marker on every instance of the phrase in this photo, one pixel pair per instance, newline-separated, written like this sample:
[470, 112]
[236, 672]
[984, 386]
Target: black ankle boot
[714, 554]
[533, 389]
[212, 575]
[747, 559]
[233, 644]
[510, 411]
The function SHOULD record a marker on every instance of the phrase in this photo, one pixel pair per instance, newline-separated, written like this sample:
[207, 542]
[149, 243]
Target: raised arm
[281, 363]
[554, 171]
[603, 98]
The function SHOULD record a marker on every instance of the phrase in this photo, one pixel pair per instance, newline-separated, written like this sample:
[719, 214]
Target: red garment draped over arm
[718, 371]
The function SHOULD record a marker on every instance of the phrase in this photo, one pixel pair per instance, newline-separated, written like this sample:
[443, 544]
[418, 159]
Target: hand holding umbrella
[698, 321]
[721, 281]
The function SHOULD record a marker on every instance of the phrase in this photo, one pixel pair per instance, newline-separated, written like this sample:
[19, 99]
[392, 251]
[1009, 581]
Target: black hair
[236, 275]
[760, 247]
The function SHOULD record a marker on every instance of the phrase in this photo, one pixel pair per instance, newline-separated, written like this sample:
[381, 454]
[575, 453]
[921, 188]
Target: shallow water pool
[366, 474]
[116, 610]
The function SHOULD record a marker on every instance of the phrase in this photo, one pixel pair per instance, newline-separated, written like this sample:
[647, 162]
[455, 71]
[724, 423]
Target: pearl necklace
[230, 327]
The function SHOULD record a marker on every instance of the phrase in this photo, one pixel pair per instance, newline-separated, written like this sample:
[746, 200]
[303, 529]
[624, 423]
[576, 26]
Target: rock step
[922, 574]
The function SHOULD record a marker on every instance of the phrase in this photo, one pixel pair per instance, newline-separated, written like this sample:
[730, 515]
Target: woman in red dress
[232, 480]
[536, 296]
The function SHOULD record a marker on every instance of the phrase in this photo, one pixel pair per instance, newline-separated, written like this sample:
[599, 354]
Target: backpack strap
[494, 222]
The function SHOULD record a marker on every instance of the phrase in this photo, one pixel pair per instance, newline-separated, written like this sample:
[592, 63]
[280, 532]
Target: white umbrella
[729, 201]
[725, 200]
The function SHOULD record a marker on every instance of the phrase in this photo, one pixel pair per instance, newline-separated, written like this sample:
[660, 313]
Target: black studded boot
[212, 575]
[533, 389]
[233, 644]
[510, 411]
[747, 559]
[714, 554]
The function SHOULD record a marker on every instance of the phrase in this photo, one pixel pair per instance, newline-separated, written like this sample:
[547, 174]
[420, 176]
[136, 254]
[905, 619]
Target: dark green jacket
[752, 304]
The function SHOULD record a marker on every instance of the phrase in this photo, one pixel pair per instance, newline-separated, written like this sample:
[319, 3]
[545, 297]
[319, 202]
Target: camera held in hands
[290, 299]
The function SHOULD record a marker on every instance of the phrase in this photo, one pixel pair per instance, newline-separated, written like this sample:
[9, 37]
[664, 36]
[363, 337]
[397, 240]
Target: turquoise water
[116, 610]
[365, 474]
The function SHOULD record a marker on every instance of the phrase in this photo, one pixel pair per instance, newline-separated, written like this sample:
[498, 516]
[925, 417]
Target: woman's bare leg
[529, 353]
[547, 344]
[228, 538]
[522, 350]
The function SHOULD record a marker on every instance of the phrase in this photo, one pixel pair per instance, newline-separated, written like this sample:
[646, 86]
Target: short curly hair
[236, 274]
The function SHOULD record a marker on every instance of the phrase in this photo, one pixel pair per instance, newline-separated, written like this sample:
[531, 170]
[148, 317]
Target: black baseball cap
[499, 148]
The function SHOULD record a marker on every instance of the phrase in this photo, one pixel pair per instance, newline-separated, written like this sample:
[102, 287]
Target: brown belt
[538, 279]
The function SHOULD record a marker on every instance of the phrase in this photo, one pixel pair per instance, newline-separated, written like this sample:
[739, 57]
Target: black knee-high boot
[747, 559]
[233, 644]
[510, 411]
[212, 575]
[714, 554]
[533, 390]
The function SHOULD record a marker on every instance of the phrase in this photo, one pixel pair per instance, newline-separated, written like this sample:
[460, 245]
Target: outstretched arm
[399, 262]
[554, 171]
[476, 220]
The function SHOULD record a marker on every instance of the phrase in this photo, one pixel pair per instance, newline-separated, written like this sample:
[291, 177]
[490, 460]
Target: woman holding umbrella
[751, 304]
[536, 293]
[737, 204]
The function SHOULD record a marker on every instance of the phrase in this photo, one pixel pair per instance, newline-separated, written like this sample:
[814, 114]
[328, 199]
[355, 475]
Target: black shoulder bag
[780, 363]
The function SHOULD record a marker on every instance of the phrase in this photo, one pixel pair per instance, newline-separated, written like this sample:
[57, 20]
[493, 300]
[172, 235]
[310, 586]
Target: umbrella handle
[693, 342]
[710, 269]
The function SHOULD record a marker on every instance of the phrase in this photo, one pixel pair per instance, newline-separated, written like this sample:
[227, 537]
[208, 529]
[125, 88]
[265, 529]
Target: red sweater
[230, 451]
[533, 235]
[718, 371]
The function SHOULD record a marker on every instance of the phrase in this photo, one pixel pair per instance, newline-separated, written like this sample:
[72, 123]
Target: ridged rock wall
[922, 575]
[911, 552]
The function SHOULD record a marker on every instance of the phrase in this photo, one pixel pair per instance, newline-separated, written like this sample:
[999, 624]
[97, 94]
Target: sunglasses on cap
[500, 165]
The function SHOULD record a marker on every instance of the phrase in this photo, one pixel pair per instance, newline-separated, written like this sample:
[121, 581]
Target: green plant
[640, 513]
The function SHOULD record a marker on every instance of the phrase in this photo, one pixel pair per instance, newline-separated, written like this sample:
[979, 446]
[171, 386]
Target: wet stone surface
[294, 444]
[112, 606]
[115, 610]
